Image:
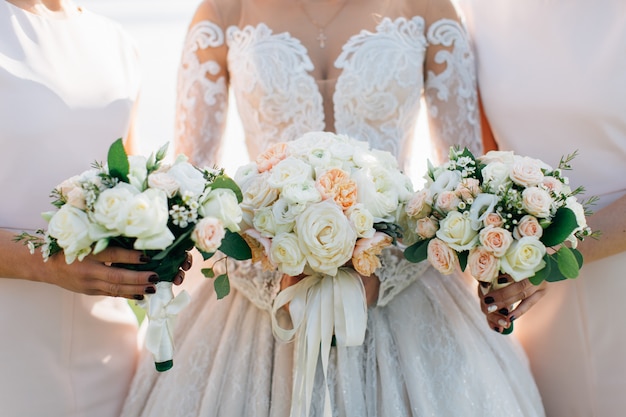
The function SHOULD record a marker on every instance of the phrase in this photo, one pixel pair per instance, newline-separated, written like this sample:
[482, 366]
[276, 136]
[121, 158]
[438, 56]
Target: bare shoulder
[433, 10]
[221, 12]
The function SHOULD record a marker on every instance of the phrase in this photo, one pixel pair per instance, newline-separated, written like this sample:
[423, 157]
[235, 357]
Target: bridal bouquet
[498, 213]
[322, 207]
[164, 210]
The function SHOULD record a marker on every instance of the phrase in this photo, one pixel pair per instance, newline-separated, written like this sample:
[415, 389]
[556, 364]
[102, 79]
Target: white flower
[163, 181]
[446, 180]
[110, 211]
[147, 219]
[264, 222]
[579, 211]
[256, 194]
[286, 254]
[537, 201]
[244, 173]
[456, 230]
[526, 171]
[222, 203]
[301, 192]
[483, 205]
[188, 177]
[524, 258]
[377, 191]
[208, 234]
[496, 175]
[325, 237]
[137, 171]
[73, 192]
[362, 220]
[70, 226]
[285, 213]
[505, 157]
[290, 171]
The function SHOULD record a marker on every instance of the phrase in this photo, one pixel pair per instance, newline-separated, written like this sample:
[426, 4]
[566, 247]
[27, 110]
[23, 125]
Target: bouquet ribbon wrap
[320, 306]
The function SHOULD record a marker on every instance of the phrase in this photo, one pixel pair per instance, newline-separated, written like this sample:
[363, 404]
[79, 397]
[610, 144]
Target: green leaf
[118, 161]
[224, 181]
[206, 255]
[182, 243]
[222, 286]
[567, 262]
[208, 272]
[563, 224]
[543, 273]
[579, 257]
[555, 274]
[234, 246]
[463, 259]
[417, 252]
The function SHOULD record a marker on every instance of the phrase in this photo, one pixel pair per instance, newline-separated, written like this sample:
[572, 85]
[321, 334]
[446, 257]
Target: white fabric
[67, 87]
[427, 348]
[553, 80]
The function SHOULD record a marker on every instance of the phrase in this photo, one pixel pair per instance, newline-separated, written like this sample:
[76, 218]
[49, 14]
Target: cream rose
[286, 254]
[285, 213]
[146, 219]
[528, 226]
[376, 191]
[325, 237]
[504, 157]
[70, 227]
[256, 194]
[496, 175]
[552, 184]
[495, 239]
[420, 204]
[526, 171]
[163, 181]
[208, 234]
[426, 227]
[302, 193]
[524, 258]
[456, 231]
[365, 257]
[537, 202]
[482, 264]
[362, 220]
[222, 203]
[441, 256]
[289, 171]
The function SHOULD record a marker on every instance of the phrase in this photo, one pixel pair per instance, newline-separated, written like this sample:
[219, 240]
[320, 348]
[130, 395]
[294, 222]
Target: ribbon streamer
[320, 306]
[162, 309]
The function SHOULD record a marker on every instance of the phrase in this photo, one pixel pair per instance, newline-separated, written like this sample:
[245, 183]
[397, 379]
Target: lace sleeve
[202, 95]
[450, 90]
[452, 104]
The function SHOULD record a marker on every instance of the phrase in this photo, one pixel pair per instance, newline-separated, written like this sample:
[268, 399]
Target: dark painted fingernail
[150, 290]
[138, 297]
[497, 329]
[153, 278]
[512, 318]
[144, 258]
[484, 284]
[489, 300]
[187, 264]
[503, 311]
[502, 280]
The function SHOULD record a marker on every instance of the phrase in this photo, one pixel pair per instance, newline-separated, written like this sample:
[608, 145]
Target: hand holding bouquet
[500, 213]
[144, 204]
[321, 206]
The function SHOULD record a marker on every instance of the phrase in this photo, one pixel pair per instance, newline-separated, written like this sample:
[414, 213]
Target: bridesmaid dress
[67, 88]
[552, 76]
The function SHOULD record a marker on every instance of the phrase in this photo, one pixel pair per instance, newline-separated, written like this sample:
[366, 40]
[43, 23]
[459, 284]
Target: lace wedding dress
[428, 350]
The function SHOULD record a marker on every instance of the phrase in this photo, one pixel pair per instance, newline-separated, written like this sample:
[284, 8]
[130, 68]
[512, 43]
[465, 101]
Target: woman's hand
[94, 275]
[506, 304]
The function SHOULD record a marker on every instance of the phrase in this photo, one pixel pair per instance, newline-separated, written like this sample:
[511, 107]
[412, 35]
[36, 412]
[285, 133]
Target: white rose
[376, 190]
[456, 230]
[244, 173]
[163, 181]
[579, 211]
[526, 171]
[207, 234]
[524, 258]
[495, 175]
[110, 211]
[137, 171]
[286, 254]
[505, 157]
[537, 201]
[482, 207]
[301, 192]
[256, 194]
[222, 203]
[70, 226]
[285, 213]
[289, 171]
[362, 220]
[264, 222]
[189, 178]
[325, 237]
[147, 219]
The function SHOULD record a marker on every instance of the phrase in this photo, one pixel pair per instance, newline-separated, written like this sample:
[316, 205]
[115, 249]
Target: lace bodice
[383, 76]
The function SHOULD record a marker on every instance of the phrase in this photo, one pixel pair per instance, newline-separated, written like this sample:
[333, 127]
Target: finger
[498, 322]
[526, 304]
[124, 282]
[186, 266]
[179, 278]
[115, 255]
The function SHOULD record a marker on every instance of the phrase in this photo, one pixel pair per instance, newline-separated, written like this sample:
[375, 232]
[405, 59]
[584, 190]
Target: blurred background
[158, 28]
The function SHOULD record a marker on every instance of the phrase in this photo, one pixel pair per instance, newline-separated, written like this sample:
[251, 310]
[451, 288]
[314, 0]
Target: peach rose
[336, 184]
[426, 227]
[493, 219]
[419, 205]
[552, 184]
[365, 255]
[271, 157]
[537, 202]
[468, 188]
[208, 234]
[527, 171]
[483, 265]
[441, 256]
[447, 201]
[495, 239]
[528, 226]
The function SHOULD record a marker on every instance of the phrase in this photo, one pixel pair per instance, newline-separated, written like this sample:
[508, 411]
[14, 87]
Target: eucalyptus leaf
[222, 286]
[543, 273]
[206, 255]
[563, 224]
[567, 262]
[224, 181]
[208, 272]
[417, 252]
[555, 274]
[117, 161]
[579, 257]
[234, 246]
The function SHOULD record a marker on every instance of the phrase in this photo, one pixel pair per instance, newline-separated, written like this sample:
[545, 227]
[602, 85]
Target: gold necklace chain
[321, 37]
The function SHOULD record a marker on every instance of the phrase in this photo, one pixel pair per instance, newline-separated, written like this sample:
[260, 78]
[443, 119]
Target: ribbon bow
[320, 306]
[162, 310]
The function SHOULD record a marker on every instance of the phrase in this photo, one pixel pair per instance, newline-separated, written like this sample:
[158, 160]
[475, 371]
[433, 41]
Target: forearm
[16, 260]
[611, 223]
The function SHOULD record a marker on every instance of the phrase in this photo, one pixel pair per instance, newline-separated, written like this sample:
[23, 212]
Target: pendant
[322, 38]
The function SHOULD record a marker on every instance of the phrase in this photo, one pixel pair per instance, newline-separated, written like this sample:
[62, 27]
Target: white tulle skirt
[429, 352]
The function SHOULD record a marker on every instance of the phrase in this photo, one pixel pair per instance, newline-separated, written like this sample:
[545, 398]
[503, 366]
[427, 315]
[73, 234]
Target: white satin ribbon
[320, 306]
[162, 310]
